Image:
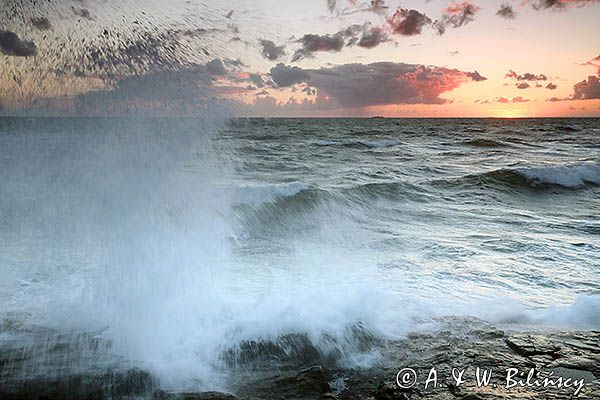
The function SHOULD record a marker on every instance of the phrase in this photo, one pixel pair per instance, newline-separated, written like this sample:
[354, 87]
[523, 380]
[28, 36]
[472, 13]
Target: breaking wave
[568, 177]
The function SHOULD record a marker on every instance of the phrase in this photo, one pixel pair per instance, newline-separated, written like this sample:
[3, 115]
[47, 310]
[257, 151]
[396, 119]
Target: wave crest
[567, 176]
[564, 176]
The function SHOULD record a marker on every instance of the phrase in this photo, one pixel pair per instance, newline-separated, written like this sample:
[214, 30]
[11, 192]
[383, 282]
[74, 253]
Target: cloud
[561, 4]
[587, 89]
[408, 22]
[527, 76]
[505, 100]
[285, 76]
[381, 83]
[456, 15]
[271, 51]
[475, 76]
[551, 86]
[555, 99]
[41, 23]
[216, 67]
[372, 37]
[181, 91]
[257, 79]
[364, 36]
[12, 45]
[594, 62]
[522, 85]
[312, 43]
[309, 91]
[506, 11]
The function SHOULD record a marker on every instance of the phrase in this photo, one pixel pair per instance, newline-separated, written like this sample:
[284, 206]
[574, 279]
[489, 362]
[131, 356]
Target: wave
[371, 144]
[381, 143]
[564, 176]
[566, 128]
[300, 194]
[267, 193]
[567, 176]
[484, 143]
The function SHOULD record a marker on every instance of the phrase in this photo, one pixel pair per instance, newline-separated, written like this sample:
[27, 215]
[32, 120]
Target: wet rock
[388, 391]
[82, 386]
[162, 395]
[457, 343]
[532, 345]
[309, 383]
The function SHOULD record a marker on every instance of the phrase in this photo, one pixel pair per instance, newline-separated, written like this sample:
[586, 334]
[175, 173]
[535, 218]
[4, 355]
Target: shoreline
[455, 349]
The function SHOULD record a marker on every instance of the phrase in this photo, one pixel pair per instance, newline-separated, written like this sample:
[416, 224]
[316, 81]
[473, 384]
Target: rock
[458, 343]
[162, 395]
[309, 383]
[82, 386]
[387, 391]
[531, 345]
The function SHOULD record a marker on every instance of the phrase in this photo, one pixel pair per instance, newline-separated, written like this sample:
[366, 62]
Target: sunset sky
[311, 58]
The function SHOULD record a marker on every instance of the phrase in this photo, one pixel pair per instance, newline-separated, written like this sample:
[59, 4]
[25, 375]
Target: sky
[311, 58]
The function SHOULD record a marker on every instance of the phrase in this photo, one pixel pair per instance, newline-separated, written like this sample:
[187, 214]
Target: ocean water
[182, 245]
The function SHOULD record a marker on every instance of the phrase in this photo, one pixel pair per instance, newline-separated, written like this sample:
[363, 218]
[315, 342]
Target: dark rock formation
[455, 345]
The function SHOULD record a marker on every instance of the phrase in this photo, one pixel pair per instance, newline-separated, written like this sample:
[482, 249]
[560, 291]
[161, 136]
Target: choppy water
[178, 243]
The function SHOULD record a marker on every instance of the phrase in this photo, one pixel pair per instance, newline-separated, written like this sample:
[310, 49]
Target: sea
[170, 244]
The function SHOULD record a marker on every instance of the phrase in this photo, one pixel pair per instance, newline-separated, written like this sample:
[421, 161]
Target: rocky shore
[571, 358]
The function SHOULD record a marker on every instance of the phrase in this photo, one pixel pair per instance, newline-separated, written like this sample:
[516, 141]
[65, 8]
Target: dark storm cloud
[506, 11]
[12, 45]
[216, 67]
[382, 83]
[364, 36]
[372, 37]
[170, 90]
[285, 76]
[271, 51]
[408, 22]
[312, 43]
[456, 15]
[257, 80]
[182, 90]
[527, 76]
[561, 4]
[587, 89]
[41, 23]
